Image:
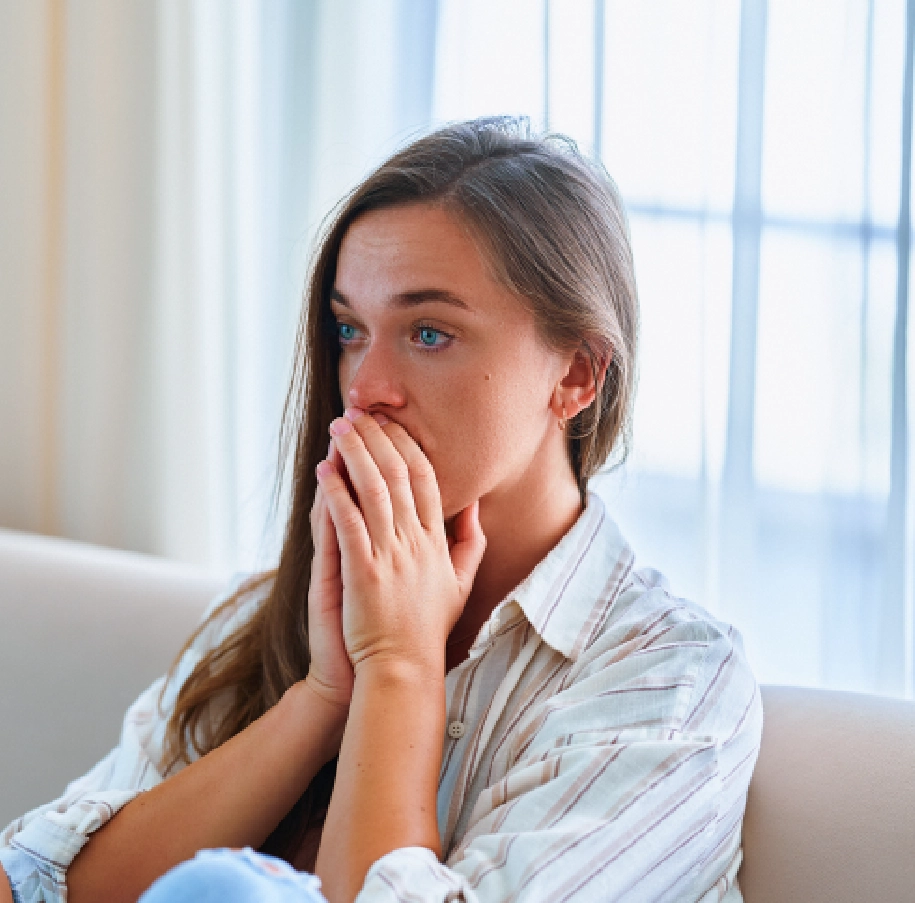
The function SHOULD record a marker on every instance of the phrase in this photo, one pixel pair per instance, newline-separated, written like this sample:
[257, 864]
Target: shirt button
[456, 730]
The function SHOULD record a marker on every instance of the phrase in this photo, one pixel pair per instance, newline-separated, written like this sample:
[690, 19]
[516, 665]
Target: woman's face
[430, 339]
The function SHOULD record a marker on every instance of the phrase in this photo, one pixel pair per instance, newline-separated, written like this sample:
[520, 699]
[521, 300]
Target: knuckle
[423, 468]
[377, 492]
[350, 521]
[409, 540]
[334, 486]
[373, 573]
[399, 474]
[337, 495]
[348, 439]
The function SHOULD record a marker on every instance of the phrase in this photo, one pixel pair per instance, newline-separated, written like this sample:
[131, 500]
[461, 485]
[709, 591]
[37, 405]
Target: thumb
[468, 546]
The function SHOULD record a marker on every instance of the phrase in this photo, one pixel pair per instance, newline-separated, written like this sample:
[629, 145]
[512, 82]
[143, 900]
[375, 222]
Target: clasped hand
[388, 584]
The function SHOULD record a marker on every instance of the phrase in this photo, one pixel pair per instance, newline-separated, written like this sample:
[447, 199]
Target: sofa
[831, 810]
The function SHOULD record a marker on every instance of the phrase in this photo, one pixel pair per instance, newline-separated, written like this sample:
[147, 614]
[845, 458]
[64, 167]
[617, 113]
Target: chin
[452, 505]
[464, 488]
[449, 512]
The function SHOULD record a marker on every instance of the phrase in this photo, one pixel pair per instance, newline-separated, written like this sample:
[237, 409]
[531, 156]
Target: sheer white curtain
[764, 152]
[76, 236]
[164, 166]
[268, 113]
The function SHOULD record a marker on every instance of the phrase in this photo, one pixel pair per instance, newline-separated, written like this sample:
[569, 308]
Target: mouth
[410, 433]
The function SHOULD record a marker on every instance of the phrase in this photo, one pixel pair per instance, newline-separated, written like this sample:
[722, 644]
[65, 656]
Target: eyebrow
[411, 299]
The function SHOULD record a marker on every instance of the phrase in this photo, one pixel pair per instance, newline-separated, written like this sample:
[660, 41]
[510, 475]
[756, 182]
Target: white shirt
[599, 743]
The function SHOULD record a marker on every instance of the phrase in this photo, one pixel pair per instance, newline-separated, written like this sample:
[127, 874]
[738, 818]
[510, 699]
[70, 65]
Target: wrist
[335, 702]
[399, 672]
[310, 706]
[414, 691]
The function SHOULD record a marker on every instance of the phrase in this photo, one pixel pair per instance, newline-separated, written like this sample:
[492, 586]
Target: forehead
[412, 249]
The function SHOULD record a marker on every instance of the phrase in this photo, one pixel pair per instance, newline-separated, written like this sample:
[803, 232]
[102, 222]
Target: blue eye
[345, 332]
[430, 338]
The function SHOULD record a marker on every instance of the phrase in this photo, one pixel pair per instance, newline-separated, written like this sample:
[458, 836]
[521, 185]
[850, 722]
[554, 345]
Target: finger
[314, 516]
[327, 549]
[468, 546]
[423, 482]
[391, 466]
[332, 547]
[371, 489]
[335, 458]
[350, 527]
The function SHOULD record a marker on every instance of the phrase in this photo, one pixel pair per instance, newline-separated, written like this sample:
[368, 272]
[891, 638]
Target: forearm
[234, 796]
[6, 894]
[387, 776]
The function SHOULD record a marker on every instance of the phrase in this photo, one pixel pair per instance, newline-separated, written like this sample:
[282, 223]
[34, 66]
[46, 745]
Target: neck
[522, 524]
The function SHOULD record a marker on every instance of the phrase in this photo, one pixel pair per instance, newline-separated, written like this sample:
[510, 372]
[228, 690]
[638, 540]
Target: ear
[579, 386]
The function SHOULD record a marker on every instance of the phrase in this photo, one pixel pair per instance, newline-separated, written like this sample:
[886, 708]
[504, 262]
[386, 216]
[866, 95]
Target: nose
[375, 382]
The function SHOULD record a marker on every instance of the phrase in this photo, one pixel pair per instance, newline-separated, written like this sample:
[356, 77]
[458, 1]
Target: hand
[330, 673]
[404, 583]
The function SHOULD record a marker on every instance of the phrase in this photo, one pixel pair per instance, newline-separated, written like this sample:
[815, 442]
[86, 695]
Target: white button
[456, 730]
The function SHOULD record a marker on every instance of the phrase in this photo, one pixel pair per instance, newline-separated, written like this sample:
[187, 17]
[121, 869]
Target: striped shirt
[599, 745]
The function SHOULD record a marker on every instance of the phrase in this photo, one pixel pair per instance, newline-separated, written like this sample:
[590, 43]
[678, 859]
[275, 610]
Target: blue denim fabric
[234, 876]
[16, 897]
[21, 873]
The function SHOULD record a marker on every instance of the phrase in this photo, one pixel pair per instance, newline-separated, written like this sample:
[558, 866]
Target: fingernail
[340, 427]
[380, 419]
[353, 413]
[323, 469]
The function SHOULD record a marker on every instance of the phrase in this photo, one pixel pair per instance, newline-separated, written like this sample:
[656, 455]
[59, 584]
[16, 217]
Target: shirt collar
[567, 596]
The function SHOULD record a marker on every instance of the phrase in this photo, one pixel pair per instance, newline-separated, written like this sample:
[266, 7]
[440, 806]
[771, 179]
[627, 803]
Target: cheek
[344, 378]
[486, 434]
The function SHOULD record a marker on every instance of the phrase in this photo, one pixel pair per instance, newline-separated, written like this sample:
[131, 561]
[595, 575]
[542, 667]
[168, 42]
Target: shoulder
[680, 667]
[646, 614]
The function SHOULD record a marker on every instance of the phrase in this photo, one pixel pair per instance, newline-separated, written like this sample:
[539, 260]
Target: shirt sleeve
[630, 784]
[36, 850]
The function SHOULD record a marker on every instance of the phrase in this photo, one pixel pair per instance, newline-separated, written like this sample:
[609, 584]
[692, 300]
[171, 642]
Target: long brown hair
[551, 225]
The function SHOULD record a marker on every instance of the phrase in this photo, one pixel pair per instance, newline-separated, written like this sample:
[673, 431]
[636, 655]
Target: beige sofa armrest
[831, 811]
[83, 630]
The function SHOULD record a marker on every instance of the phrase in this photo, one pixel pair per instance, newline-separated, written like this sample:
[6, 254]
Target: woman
[456, 685]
